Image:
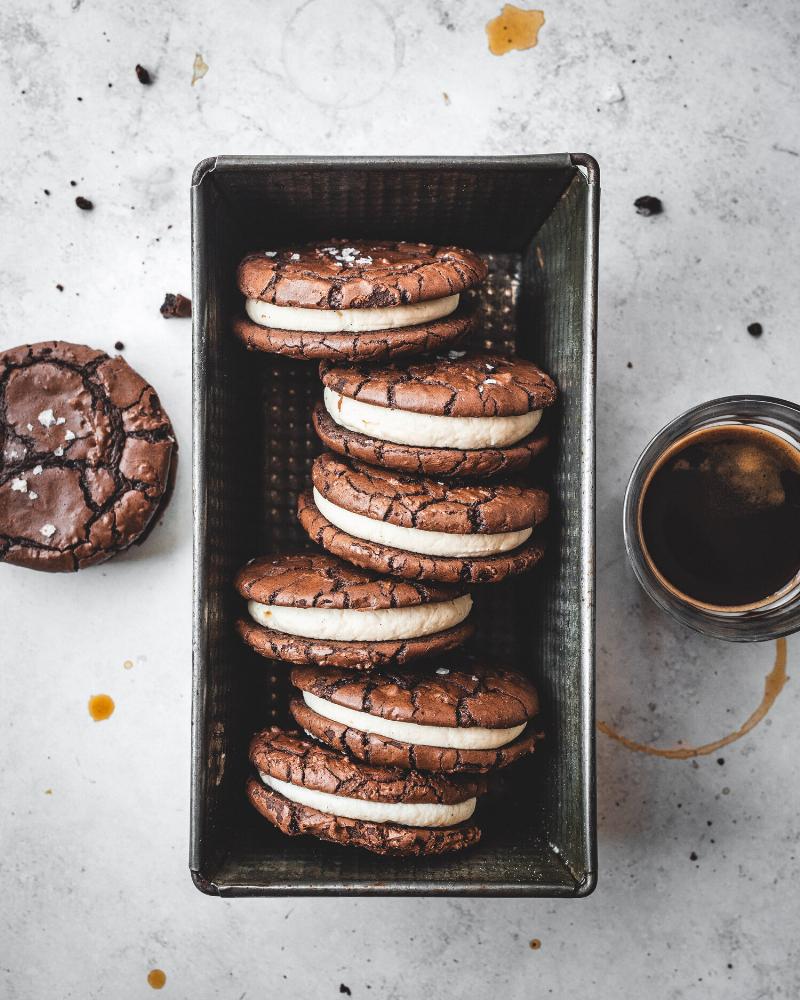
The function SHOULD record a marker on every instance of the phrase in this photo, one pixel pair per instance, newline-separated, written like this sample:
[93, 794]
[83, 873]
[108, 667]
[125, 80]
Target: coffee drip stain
[773, 685]
[156, 978]
[514, 28]
[101, 707]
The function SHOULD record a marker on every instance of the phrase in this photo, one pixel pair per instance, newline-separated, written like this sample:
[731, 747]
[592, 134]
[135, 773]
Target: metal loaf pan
[535, 218]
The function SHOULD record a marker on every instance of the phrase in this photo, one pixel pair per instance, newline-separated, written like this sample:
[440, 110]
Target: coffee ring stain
[773, 685]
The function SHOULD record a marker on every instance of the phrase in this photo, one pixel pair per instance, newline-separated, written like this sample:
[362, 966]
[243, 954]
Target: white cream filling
[431, 543]
[405, 813]
[426, 430]
[348, 320]
[372, 626]
[456, 737]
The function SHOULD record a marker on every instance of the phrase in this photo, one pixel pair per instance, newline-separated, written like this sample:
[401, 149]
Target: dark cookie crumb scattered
[60, 287]
[345, 989]
[693, 856]
[46, 192]
[84, 203]
[142, 75]
[755, 329]
[119, 346]
[73, 184]
[176, 306]
[720, 761]
[630, 364]
[648, 205]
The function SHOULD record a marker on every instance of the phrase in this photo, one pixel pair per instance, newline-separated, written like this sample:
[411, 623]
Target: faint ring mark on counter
[347, 65]
[773, 685]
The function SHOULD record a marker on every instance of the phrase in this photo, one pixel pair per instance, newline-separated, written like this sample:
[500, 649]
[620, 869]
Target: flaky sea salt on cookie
[351, 300]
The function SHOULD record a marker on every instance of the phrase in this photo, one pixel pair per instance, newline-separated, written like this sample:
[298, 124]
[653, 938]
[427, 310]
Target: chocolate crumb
[176, 306]
[46, 192]
[73, 184]
[345, 989]
[648, 205]
[630, 364]
[60, 287]
[755, 329]
[143, 76]
[119, 346]
[720, 761]
[693, 856]
[84, 203]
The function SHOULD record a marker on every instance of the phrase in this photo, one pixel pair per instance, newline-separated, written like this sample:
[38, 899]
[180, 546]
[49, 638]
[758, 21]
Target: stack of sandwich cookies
[357, 300]
[305, 788]
[420, 528]
[315, 609]
[442, 719]
[462, 413]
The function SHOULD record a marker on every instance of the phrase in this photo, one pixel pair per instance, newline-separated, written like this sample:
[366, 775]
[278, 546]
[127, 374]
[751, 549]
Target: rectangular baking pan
[535, 218]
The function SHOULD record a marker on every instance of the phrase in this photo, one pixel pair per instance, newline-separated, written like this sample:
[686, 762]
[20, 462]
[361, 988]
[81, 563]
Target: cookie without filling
[87, 460]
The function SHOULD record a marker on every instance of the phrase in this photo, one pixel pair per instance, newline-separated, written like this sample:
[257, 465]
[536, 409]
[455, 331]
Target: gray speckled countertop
[695, 102]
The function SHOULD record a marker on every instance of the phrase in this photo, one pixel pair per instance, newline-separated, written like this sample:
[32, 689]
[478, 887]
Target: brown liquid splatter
[514, 28]
[156, 978]
[101, 707]
[773, 685]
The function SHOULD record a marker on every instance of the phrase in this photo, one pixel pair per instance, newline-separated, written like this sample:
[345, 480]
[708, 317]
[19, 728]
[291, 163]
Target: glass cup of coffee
[712, 518]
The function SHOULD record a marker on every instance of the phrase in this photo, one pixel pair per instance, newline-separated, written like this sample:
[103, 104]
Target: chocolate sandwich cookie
[316, 609]
[307, 788]
[458, 414]
[357, 300]
[420, 528]
[87, 456]
[443, 719]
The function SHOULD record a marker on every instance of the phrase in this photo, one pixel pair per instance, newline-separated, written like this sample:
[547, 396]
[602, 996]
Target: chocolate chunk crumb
[648, 205]
[119, 346]
[345, 989]
[142, 75]
[73, 184]
[630, 364]
[720, 761]
[46, 192]
[84, 203]
[176, 306]
[755, 329]
[60, 287]
[693, 856]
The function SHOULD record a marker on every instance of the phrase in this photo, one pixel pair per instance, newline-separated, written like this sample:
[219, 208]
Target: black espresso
[720, 515]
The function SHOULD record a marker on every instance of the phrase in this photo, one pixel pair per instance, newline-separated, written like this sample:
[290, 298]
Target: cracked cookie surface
[382, 345]
[350, 654]
[87, 453]
[374, 748]
[421, 502]
[478, 463]
[317, 580]
[412, 565]
[293, 758]
[453, 384]
[358, 274]
[294, 819]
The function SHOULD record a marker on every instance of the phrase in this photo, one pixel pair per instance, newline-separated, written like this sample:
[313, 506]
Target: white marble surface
[95, 885]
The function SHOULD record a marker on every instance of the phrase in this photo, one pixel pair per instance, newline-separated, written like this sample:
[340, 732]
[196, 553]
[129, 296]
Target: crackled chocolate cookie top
[489, 697]
[415, 502]
[358, 274]
[451, 384]
[291, 757]
[322, 581]
[86, 456]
